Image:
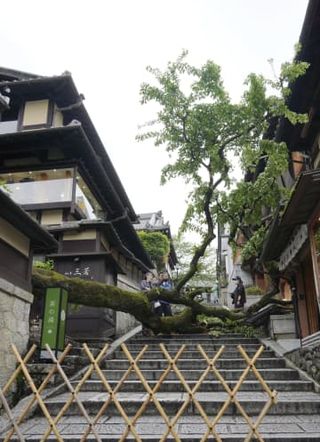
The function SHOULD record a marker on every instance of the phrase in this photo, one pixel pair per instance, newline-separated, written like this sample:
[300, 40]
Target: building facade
[293, 239]
[56, 168]
[20, 238]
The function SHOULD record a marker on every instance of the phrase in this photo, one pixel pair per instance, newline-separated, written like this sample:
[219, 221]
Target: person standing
[157, 307]
[165, 284]
[145, 284]
[239, 294]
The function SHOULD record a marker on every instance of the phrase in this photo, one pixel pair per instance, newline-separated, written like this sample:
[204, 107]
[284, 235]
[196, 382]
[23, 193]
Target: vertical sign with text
[54, 320]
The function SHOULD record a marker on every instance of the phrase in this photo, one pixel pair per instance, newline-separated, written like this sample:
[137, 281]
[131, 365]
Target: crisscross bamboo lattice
[37, 400]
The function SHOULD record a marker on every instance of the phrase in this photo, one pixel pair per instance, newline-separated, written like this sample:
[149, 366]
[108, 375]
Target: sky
[107, 44]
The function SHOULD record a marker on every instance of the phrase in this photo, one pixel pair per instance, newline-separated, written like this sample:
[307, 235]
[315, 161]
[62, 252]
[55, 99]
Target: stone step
[44, 368]
[176, 386]
[193, 336]
[156, 354]
[180, 340]
[184, 364]
[76, 360]
[252, 402]
[236, 437]
[296, 428]
[79, 351]
[266, 373]
[193, 347]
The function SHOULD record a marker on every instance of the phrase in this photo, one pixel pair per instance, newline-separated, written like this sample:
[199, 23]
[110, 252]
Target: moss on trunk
[138, 304]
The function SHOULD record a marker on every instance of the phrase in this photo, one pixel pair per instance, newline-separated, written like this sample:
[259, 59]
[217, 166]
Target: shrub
[254, 290]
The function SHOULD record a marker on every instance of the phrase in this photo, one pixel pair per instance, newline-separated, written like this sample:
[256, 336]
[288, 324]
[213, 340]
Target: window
[40, 187]
[52, 189]
[85, 199]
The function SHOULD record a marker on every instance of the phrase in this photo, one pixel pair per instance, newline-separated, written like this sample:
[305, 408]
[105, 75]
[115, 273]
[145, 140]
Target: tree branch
[188, 141]
[200, 251]
[236, 136]
[232, 217]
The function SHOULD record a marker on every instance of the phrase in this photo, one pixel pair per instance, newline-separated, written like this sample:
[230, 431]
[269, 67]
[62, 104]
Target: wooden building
[294, 238]
[20, 238]
[154, 222]
[56, 167]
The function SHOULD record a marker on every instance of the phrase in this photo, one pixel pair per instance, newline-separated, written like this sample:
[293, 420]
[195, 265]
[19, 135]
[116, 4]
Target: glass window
[85, 200]
[51, 187]
[39, 187]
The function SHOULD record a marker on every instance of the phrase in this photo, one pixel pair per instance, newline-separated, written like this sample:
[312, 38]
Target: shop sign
[54, 320]
[298, 238]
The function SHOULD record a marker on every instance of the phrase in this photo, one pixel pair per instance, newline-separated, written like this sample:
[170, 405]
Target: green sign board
[54, 320]
[63, 318]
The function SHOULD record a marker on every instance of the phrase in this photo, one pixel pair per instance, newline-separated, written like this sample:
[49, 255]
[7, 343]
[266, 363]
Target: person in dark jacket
[165, 284]
[239, 294]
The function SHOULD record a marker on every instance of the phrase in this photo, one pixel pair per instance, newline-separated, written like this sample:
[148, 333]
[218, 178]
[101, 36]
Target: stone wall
[308, 360]
[14, 325]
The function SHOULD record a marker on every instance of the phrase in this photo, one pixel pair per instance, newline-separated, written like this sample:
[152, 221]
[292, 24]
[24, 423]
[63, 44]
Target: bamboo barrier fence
[37, 402]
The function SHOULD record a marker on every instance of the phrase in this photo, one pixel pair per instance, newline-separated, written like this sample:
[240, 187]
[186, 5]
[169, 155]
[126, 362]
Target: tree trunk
[138, 304]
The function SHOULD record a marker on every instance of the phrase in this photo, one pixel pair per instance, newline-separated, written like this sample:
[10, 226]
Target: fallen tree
[206, 136]
[138, 304]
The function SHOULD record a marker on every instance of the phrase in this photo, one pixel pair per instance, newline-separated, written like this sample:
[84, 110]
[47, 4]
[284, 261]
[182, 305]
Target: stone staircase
[296, 416]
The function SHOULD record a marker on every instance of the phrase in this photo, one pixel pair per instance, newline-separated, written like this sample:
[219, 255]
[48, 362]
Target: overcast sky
[106, 45]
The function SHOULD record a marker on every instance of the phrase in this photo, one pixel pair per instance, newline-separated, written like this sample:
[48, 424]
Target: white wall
[124, 321]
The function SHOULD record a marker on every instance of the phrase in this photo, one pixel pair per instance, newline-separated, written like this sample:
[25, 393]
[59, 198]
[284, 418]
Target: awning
[303, 202]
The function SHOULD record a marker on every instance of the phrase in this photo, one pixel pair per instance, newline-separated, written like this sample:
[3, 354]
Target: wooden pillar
[297, 163]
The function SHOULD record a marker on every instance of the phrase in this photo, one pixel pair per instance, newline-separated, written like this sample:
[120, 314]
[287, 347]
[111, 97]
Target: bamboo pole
[74, 393]
[271, 393]
[36, 393]
[40, 389]
[149, 397]
[191, 394]
[116, 401]
[77, 389]
[18, 369]
[11, 417]
[115, 390]
[152, 396]
[155, 388]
